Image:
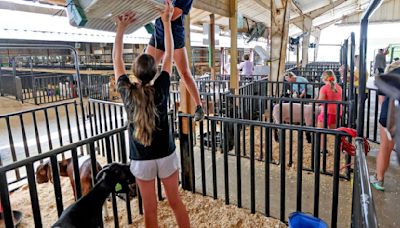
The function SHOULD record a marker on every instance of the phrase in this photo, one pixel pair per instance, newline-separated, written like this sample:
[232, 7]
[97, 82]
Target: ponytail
[145, 113]
[333, 86]
[329, 76]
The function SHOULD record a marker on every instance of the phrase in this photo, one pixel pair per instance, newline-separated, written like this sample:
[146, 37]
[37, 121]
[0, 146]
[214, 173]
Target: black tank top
[162, 144]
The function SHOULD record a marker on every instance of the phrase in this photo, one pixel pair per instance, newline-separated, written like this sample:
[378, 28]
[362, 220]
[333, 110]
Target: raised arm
[168, 40]
[122, 23]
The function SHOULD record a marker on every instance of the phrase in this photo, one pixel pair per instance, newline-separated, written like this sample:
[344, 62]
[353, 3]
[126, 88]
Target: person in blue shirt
[156, 49]
[300, 89]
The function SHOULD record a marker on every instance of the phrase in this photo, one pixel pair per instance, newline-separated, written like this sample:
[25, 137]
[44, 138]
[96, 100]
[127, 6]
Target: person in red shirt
[331, 91]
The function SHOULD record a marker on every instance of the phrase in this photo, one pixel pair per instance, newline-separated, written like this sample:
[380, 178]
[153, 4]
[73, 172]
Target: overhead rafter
[316, 13]
[327, 24]
[263, 3]
[220, 7]
[296, 8]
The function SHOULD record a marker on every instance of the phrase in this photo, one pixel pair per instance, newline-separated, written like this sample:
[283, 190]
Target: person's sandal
[199, 113]
[377, 184]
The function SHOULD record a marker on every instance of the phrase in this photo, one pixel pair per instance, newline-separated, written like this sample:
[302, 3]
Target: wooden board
[101, 13]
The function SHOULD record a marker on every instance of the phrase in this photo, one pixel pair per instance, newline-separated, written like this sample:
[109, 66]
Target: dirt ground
[259, 148]
[204, 211]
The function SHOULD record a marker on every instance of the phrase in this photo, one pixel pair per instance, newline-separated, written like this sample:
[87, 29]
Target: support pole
[307, 23]
[363, 64]
[279, 39]
[317, 35]
[211, 47]
[234, 82]
[186, 106]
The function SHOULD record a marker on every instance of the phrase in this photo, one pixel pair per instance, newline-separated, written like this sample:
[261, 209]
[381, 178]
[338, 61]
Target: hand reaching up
[125, 19]
[166, 15]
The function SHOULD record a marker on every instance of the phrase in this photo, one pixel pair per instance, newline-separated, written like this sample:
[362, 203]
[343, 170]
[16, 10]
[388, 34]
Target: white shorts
[150, 169]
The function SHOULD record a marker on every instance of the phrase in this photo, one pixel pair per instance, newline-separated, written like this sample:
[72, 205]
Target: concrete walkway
[387, 203]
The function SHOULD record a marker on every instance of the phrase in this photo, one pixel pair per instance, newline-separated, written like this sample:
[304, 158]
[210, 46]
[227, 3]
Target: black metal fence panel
[233, 172]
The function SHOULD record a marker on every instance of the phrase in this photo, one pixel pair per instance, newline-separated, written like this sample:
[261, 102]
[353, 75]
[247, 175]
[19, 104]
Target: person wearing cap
[387, 142]
[299, 85]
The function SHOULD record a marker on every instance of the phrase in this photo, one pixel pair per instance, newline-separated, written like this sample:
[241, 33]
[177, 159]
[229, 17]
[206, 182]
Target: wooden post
[211, 47]
[234, 82]
[306, 39]
[317, 35]
[279, 39]
[186, 107]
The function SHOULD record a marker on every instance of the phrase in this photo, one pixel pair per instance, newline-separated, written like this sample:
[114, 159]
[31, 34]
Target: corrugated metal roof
[321, 11]
[389, 11]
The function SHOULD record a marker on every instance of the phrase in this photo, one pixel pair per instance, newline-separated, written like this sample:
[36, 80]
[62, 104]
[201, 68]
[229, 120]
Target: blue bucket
[299, 219]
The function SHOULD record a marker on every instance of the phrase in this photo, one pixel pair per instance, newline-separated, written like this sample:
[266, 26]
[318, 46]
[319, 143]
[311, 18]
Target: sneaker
[377, 184]
[199, 113]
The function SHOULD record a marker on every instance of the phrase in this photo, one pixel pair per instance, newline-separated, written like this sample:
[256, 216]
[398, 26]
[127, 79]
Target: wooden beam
[296, 8]
[307, 23]
[318, 12]
[279, 40]
[317, 35]
[186, 106]
[211, 46]
[234, 82]
[186, 103]
[55, 2]
[263, 3]
[220, 7]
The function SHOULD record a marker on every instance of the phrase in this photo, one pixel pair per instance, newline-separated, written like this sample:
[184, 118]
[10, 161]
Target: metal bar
[57, 185]
[299, 169]
[5, 201]
[93, 162]
[282, 155]
[226, 166]
[12, 148]
[68, 124]
[335, 190]
[252, 173]
[33, 195]
[368, 113]
[268, 145]
[213, 158]
[58, 127]
[202, 161]
[46, 117]
[238, 168]
[317, 173]
[26, 148]
[291, 134]
[77, 179]
[376, 116]
[39, 147]
[362, 70]
[77, 121]
[191, 154]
